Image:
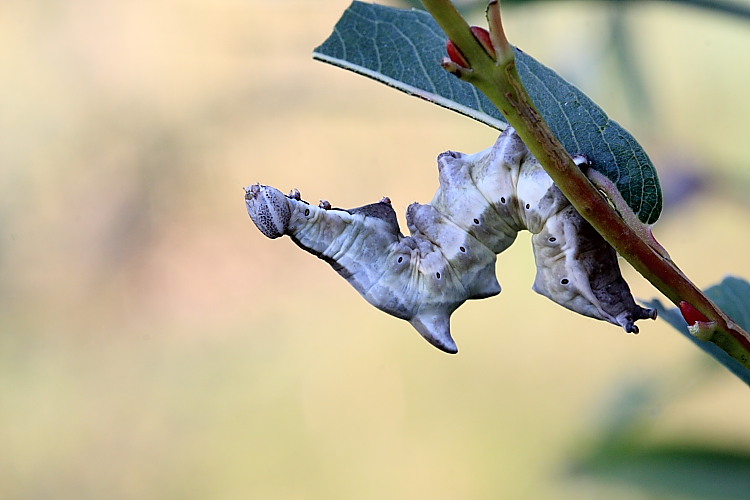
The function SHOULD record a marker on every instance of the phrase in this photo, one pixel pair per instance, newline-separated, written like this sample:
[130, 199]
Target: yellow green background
[155, 345]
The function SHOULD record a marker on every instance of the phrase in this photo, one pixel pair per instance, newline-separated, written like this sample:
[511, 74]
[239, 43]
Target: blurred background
[154, 344]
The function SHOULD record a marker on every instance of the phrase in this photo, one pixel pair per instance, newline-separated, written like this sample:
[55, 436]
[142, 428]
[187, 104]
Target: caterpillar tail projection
[483, 201]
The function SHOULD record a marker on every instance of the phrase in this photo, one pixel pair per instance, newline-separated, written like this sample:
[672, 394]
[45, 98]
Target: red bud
[455, 55]
[691, 314]
[483, 36]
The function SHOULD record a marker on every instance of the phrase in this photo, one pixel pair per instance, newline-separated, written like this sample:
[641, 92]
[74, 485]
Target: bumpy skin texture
[483, 201]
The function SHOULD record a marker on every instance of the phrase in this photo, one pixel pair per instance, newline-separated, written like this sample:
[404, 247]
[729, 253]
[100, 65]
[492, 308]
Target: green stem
[501, 83]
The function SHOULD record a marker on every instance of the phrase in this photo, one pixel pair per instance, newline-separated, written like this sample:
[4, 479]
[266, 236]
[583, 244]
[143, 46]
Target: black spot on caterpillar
[483, 201]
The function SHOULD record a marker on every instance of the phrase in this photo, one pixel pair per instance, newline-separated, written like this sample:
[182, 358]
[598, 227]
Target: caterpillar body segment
[409, 277]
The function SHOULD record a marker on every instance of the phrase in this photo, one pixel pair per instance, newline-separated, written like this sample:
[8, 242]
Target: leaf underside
[403, 49]
[732, 296]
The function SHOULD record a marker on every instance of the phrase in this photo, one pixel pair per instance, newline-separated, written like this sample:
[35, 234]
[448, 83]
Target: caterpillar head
[269, 209]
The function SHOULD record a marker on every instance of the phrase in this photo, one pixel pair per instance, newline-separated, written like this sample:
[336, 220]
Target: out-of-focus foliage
[624, 455]
[683, 466]
[735, 8]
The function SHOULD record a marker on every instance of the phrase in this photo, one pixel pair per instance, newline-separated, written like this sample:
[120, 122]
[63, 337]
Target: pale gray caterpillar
[483, 201]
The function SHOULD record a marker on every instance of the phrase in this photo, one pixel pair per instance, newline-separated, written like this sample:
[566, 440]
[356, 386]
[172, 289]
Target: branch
[496, 75]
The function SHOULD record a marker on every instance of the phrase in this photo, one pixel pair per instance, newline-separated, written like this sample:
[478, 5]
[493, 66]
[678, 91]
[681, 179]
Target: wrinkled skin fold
[482, 203]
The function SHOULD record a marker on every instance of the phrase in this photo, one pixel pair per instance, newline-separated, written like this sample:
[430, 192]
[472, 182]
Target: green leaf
[403, 49]
[732, 296]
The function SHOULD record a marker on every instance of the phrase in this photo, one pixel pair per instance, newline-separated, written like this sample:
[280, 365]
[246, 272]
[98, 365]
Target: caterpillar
[483, 201]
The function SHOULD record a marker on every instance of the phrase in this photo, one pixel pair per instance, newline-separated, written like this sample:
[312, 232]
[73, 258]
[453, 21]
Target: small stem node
[503, 48]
